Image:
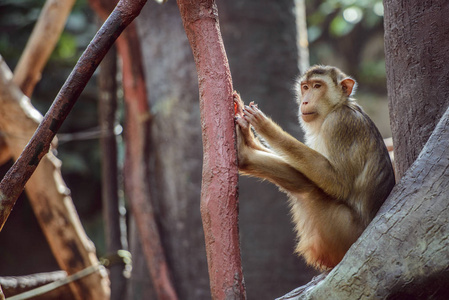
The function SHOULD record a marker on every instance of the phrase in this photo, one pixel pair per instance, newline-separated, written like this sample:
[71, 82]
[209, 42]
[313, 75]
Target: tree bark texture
[136, 163]
[219, 199]
[41, 43]
[48, 193]
[403, 252]
[417, 52]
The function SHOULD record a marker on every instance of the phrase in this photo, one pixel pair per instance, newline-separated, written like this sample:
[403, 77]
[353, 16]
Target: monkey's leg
[273, 168]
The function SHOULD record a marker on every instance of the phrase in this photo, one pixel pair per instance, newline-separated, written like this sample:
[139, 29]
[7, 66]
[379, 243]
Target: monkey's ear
[348, 85]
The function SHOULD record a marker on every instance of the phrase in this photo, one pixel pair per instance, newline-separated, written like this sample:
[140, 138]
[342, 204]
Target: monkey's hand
[254, 116]
[238, 104]
[246, 138]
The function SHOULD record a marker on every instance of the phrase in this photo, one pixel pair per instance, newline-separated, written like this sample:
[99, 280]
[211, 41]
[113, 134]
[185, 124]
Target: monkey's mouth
[309, 116]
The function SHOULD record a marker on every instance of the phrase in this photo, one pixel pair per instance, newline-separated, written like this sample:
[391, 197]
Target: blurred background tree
[345, 33]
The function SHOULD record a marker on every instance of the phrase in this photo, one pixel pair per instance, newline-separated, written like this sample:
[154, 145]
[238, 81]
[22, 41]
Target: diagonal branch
[14, 181]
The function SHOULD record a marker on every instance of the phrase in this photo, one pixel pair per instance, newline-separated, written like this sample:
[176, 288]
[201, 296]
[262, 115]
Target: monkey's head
[321, 89]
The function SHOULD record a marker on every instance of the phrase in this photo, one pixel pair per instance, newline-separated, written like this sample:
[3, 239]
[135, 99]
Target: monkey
[336, 180]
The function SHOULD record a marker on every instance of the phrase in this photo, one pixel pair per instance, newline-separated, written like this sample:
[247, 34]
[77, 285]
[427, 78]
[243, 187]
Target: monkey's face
[314, 103]
[319, 94]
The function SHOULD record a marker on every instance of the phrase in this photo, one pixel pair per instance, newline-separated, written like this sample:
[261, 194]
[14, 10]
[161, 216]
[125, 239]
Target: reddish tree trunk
[137, 138]
[219, 201]
[136, 176]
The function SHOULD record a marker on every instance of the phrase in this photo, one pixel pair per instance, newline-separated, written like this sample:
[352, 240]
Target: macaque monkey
[337, 180]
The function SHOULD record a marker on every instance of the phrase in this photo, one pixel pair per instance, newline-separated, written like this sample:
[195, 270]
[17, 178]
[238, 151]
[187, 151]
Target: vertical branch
[107, 108]
[135, 171]
[219, 200]
[136, 165]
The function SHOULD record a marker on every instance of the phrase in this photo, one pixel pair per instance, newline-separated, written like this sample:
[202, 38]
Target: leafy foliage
[342, 16]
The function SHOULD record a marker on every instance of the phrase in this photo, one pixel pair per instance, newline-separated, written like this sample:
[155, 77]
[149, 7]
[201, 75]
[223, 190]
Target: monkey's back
[362, 158]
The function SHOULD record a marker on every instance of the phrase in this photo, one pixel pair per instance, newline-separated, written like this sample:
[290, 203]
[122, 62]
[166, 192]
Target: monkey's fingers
[238, 104]
[251, 104]
[255, 117]
[242, 122]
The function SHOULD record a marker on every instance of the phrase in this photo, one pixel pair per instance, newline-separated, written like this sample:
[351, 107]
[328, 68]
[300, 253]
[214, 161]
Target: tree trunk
[417, 52]
[219, 198]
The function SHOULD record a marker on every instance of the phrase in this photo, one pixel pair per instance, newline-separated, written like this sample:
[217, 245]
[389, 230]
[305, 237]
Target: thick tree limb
[219, 200]
[417, 82]
[403, 252]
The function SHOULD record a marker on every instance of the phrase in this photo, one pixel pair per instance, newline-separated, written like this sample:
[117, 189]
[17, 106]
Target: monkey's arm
[312, 164]
[268, 165]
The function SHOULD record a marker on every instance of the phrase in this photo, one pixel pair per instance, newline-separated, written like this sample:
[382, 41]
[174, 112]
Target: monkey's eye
[305, 87]
[316, 86]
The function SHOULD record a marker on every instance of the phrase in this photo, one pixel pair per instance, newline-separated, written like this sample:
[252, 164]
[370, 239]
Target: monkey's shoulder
[348, 121]
[349, 132]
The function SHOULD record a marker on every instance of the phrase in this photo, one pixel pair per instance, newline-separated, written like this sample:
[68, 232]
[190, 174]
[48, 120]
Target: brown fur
[337, 182]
